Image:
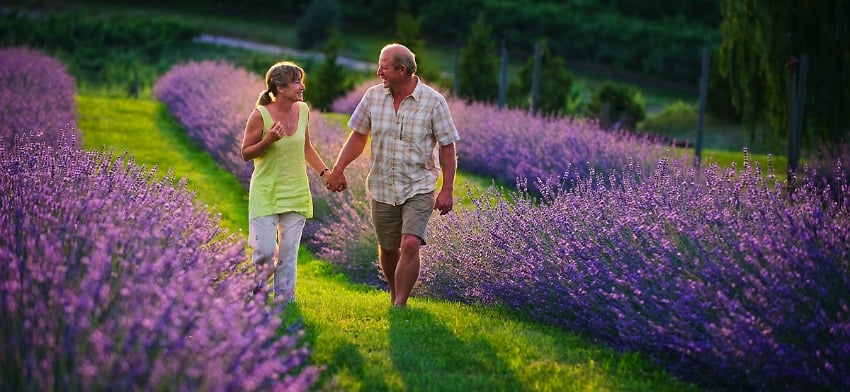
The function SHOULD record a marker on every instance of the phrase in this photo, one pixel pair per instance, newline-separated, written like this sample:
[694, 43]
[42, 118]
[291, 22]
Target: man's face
[387, 72]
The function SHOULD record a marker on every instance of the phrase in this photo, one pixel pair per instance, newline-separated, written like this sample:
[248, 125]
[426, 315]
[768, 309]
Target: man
[412, 137]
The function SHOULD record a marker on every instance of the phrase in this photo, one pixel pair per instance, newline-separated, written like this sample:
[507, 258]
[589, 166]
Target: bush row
[514, 144]
[36, 94]
[723, 279]
[124, 51]
[112, 280]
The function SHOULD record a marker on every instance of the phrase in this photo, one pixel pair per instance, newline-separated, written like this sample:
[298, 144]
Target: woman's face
[293, 91]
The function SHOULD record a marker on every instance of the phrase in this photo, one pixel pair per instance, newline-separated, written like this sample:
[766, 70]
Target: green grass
[146, 129]
[442, 346]
[365, 344]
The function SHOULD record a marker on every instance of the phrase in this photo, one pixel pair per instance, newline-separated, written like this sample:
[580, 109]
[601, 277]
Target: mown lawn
[364, 343]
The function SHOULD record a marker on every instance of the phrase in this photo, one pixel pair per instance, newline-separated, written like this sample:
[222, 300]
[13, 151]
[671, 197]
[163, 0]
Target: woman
[277, 138]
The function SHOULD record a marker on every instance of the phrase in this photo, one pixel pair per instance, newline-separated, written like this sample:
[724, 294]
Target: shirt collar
[417, 91]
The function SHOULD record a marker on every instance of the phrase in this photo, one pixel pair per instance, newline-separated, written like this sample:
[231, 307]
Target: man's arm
[448, 164]
[354, 146]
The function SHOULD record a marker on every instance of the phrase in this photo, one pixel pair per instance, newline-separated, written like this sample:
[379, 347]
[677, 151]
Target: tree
[555, 84]
[760, 38]
[478, 68]
[329, 82]
[407, 33]
[315, 26]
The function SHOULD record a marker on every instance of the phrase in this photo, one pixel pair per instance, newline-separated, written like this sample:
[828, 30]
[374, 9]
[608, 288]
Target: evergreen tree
[329, 82]
[315, 26]
[407, 34]
[478, 68]
[555, 86]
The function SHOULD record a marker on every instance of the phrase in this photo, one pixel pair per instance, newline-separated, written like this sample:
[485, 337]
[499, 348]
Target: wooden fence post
[503, 76]
[703, 92]
[535, 78]
[797, 79]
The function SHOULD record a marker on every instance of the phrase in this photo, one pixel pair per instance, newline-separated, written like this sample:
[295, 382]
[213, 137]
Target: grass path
[364, 343]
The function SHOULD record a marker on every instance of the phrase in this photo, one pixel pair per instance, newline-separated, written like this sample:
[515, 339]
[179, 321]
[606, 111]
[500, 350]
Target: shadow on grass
[429, 356]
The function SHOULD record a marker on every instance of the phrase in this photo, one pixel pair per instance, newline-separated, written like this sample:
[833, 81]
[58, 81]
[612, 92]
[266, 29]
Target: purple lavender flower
[114, 280]
[723, 278]
[36, 93]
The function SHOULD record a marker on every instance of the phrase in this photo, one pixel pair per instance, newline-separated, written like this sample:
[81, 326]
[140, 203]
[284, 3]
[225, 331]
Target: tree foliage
[555, 84]
[318, 21]
[617, 105]
[761, 39]
[330, 80]
[407, 34]
[478, 64]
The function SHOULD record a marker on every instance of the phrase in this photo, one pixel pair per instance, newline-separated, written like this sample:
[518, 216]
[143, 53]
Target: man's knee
[410, 242]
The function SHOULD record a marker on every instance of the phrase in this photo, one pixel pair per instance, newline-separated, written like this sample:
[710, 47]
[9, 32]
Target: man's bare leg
[389, 262]
[407, 271]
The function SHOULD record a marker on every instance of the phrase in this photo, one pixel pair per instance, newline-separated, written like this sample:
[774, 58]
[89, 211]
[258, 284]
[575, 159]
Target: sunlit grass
[365, 344]
[146, 129]
[440, 346]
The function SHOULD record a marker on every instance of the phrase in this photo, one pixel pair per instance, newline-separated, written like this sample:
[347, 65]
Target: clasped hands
[335, 181]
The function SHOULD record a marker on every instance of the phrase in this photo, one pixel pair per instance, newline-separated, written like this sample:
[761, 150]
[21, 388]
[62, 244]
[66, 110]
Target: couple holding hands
[412, 141]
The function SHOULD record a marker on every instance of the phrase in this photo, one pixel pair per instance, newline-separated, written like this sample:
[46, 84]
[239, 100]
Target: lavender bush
[722, 278]
[36, 93]
[212, 100]
[346, 103]
[826, 164]
[514, 145]
[112, 280]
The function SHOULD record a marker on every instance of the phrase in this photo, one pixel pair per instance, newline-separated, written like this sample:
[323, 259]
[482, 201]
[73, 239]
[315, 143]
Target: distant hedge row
[99, 50]
[651, 37]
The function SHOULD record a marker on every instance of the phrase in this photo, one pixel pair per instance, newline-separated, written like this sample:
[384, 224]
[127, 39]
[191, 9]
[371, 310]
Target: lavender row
[113, 280]
[514, 145]
[720, 277]
[36, 93]
[212, 101]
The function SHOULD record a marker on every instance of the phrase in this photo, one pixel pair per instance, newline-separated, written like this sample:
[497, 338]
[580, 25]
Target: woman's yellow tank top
[279, 182]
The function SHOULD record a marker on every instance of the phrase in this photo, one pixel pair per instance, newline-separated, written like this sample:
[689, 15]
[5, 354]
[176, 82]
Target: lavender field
[112, 279]
[727, 277]
[719, 274]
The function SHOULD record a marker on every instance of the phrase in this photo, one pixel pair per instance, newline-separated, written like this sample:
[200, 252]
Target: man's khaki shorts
[410, 217]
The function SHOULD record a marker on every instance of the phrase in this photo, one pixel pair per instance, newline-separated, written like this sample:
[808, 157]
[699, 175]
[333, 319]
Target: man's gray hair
[402, 56]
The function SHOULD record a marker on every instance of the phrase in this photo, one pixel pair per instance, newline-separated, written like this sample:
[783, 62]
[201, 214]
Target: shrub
[555, 84]
[478, 66]
[212, 100]
[674, 118]
[100, 50]
[724, 280]
[112, 280]
[36, 93]
[329, 82]
[618, 106]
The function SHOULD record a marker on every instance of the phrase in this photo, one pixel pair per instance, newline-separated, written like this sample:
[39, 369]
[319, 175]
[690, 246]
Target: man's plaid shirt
[405, 153]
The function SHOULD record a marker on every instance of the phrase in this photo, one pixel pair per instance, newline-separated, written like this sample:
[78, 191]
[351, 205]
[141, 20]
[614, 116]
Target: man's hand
[444, 202]
[335, 180]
